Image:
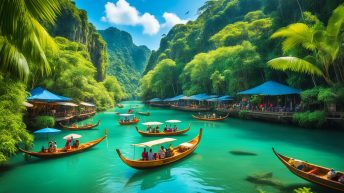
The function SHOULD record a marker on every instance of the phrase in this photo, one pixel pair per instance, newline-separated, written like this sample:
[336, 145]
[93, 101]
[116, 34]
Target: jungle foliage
[237, 44]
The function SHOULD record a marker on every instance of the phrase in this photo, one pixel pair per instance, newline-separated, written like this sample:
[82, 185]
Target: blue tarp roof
[175, 98]
[199, 97]
[271, 88]
[41, 94]
[155, 100]
[222, 98]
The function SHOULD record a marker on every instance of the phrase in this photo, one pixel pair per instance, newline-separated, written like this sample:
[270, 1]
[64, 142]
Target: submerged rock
[239, 152]
[265, 179]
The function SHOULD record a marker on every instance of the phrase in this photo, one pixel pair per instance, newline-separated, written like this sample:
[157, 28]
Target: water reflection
[150, 178]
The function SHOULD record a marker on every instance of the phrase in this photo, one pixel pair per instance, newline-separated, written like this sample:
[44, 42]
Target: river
[211, 168]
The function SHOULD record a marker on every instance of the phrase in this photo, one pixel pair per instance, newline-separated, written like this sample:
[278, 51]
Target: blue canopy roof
[199, 97]
[47, 130]
[223, 98]
[155, 100]
[41, 94]
[175, 98]
[271, 88]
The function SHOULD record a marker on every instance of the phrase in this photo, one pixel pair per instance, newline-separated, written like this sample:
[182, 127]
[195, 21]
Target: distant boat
[162, 133]
[210, 119]
[85, 127]
[144, 113]
[120, 105]
[60, 152]
[315, 174]
[178, 153]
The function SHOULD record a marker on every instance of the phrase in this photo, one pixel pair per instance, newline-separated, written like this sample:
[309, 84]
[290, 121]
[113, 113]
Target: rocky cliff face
[73, 24]
[126, 60]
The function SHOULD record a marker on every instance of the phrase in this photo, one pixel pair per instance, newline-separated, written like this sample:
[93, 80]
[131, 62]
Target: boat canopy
[152, 123]
[271, 88]
[155, 100]
[67, 104]
[126, 115]
[223, 98]
[154, 142]
[47, 130]
[41, 94]
[87, 104]
[173, 121]
[75, 136]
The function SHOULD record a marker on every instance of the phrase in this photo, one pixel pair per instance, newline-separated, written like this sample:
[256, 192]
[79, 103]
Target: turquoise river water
[211, 168]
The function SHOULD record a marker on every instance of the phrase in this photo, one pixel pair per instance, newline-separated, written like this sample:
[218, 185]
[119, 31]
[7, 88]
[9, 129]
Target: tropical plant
[12, 128]
[303, 190]
[22, 37]
[323, 43]
[44, 121]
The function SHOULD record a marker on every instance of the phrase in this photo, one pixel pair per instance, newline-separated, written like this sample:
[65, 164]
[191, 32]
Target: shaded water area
[211, 168]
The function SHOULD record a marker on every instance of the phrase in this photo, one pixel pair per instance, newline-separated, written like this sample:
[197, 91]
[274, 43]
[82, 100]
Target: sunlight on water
[211, 168]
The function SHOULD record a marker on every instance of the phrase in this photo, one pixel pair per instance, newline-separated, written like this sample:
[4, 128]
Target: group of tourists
[150, 129]
[300, 165]
[208, 115]
[71, 143]
[162, 153]
[52, 146]
[127, 120]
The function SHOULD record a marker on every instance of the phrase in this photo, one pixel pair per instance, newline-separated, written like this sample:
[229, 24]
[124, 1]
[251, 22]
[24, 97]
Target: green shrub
[310, 119]
[44, 121]
[303, 190]
[243, 114]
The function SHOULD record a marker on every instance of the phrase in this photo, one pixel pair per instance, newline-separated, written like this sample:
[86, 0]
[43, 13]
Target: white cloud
[172, 19]
[123, 13]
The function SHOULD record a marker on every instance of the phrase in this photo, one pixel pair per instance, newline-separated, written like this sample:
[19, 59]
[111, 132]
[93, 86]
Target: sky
[145, 20]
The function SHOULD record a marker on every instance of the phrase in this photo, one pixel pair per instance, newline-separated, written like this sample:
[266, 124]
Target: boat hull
[129, 123]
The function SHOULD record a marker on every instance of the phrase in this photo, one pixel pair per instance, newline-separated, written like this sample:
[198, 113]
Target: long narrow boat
[313, 173]
[131, 122]
[85, 127]
[179, 153]
[210, 119]
[60, 152]
[144, 113]
[178, 132]
[120, 105]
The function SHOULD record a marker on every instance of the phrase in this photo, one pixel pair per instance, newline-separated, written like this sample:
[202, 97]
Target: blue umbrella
[47, 130]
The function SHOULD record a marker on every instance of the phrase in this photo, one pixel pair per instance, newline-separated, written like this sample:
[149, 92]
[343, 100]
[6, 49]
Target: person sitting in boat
[150, 154]
[72, 141]
[175, 128]
[157, 129]
[331, 174]
[43, 149]
[77, 143]
[165, 128]
[67, 146]
[144, 154]
[162, 152]
[50, 146]
[74, 125]
[155, 156]
[54, 146]
[298, 164]
[134, 118]
[168, 153]
[341, 179]
[214, 115]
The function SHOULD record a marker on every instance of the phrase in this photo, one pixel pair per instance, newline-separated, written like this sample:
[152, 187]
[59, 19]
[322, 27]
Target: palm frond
[43, 10]
[295, 64]
[336, 21]
[12, 60]
[296, 34]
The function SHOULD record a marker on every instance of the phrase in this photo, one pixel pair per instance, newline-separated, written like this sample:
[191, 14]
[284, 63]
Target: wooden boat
[144, 113]
[120, 105]
[60, 152]
[85, 127]
[178, 132]
[313, 173]
[179, 153]
[210, 119]
[130, 122]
